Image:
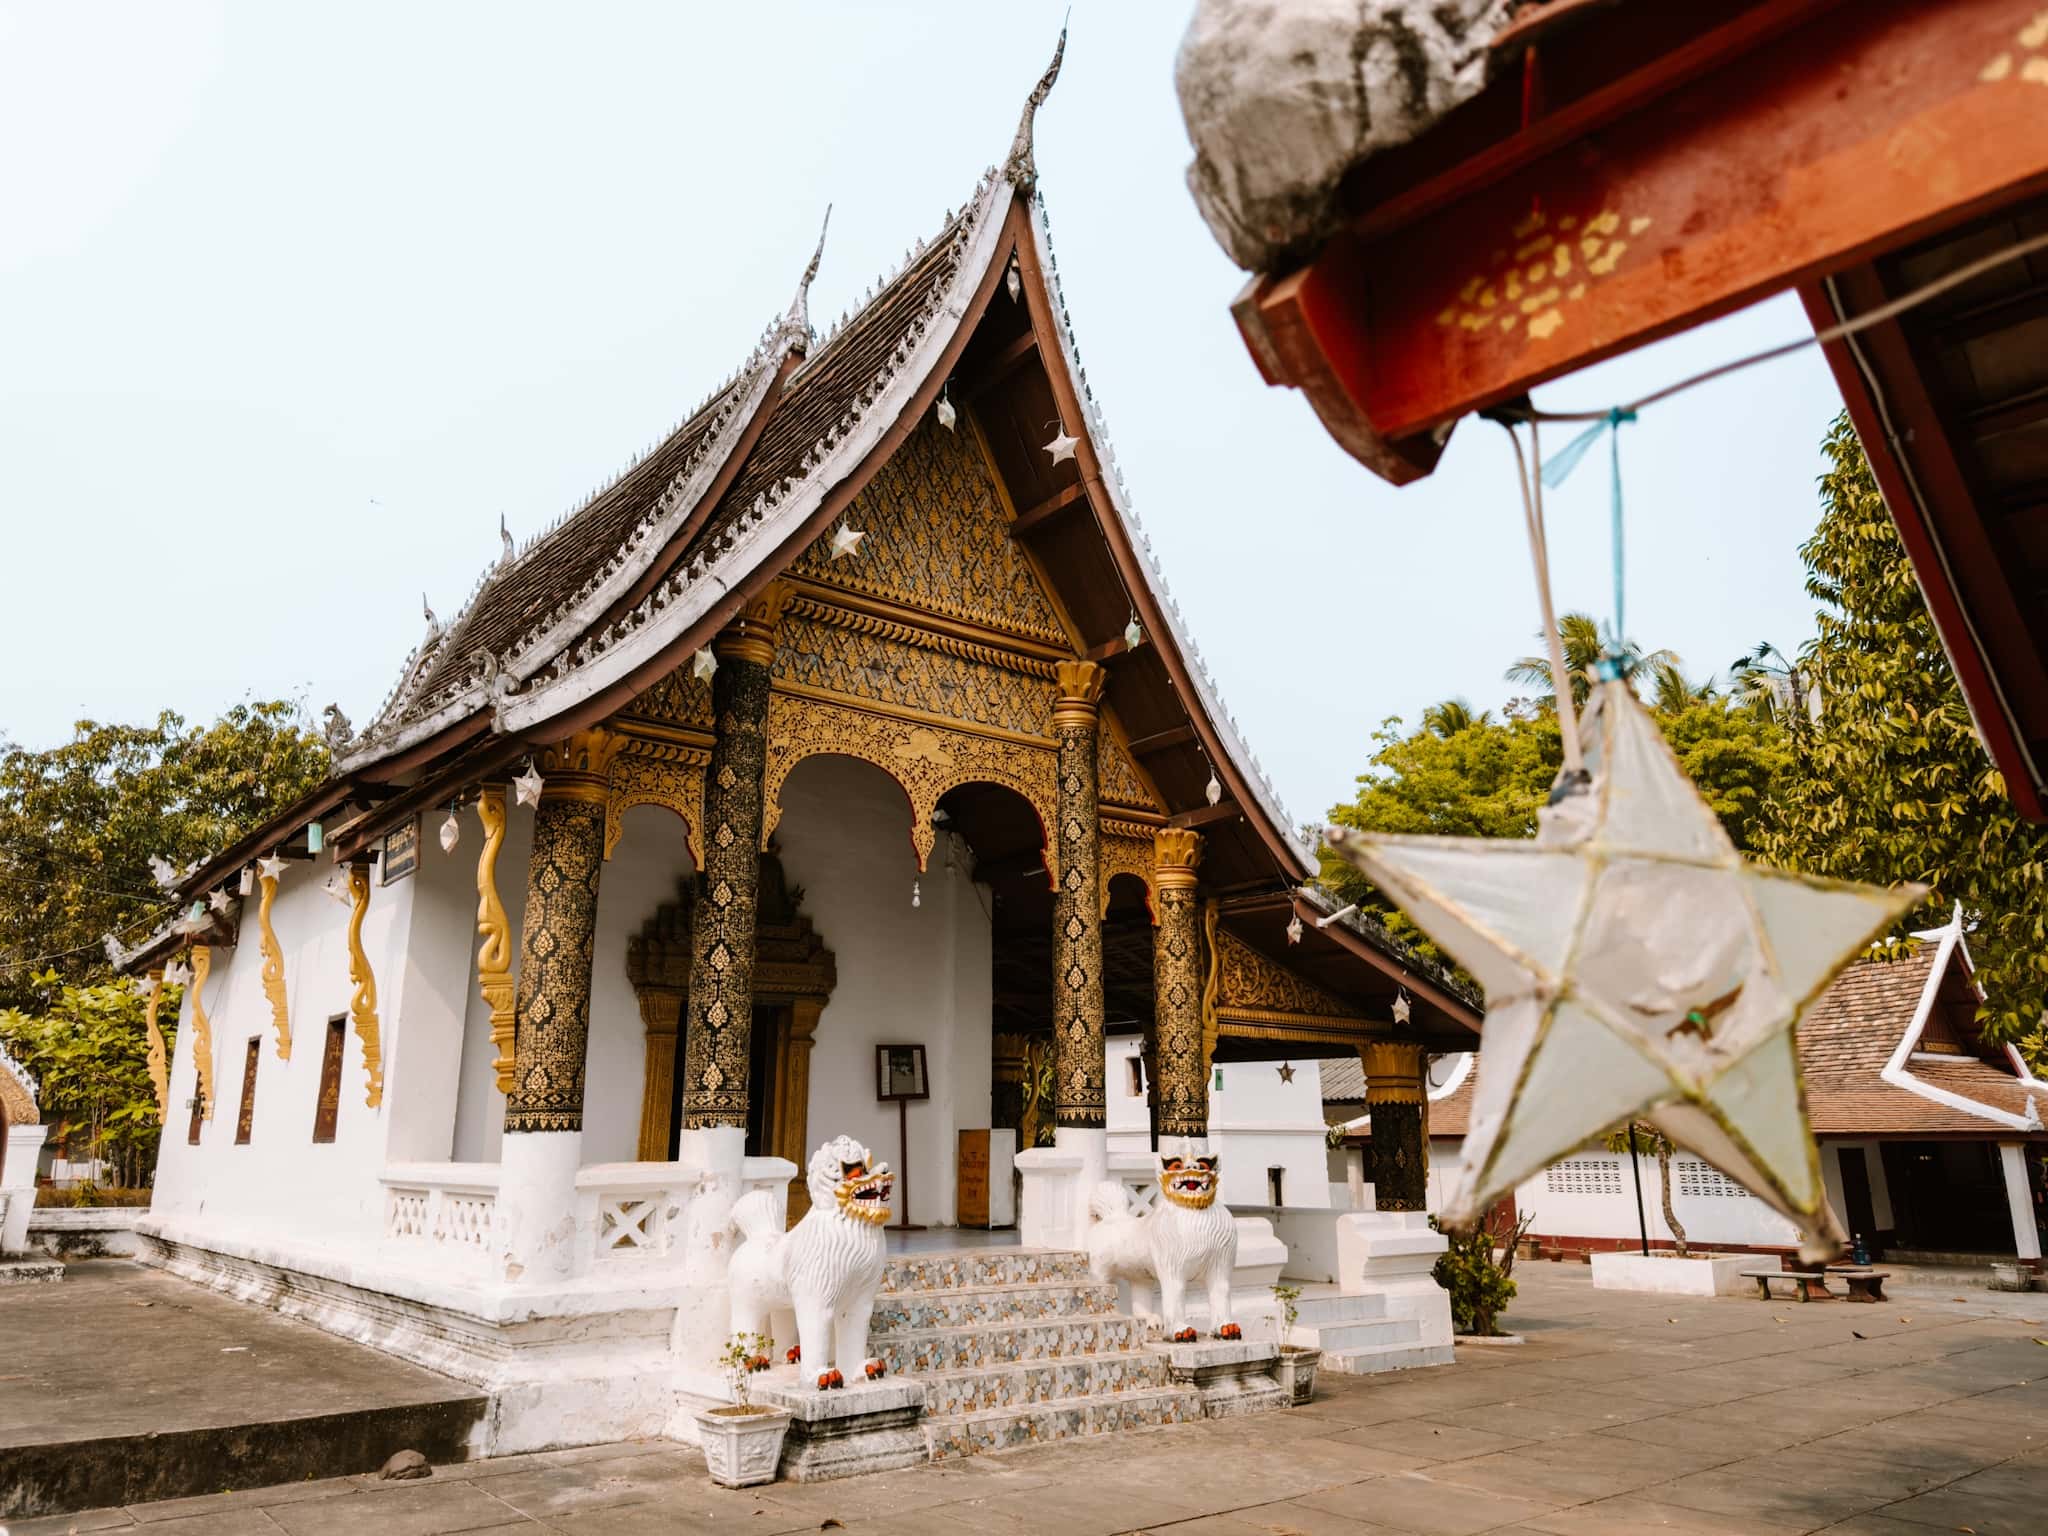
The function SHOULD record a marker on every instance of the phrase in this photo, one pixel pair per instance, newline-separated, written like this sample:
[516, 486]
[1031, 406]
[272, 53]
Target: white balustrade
[442, 1209]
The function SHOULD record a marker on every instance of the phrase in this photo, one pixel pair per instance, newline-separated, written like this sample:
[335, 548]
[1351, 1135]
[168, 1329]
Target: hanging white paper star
[1213, 790]
[1294, 929]
[1402, 1007]
[1062, 447]
[177, 974]
[947, 414]
[1134, 633]
[1012, 282]
[451, 831]
[845, 541]
[703, 664]
[270, 867]
[1635, 968]
[219, 900]
[526, 788]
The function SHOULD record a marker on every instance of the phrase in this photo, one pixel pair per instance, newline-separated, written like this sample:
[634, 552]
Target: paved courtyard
[1620, 1415]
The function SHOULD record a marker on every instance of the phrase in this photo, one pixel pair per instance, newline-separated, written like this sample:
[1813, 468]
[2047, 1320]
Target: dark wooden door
[1861, 1214]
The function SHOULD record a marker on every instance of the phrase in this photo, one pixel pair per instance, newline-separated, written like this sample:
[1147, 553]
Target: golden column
[556, 936]
[1077, 908]
[1183, 1074]
[1400, 1124]
[715, 1056]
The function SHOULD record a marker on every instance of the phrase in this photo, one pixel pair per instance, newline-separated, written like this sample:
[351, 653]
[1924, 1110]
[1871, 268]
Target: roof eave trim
[681, 602]
[1895, 1071]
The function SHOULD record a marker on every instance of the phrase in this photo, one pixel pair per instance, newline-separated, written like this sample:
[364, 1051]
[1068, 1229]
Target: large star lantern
[1635, 967]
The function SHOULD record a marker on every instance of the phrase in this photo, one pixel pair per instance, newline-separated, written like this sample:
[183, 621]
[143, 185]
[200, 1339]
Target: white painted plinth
[1393, 1254]
[24, 1145]
[1057, 1183]
[1711, 1274]
[533, 1234]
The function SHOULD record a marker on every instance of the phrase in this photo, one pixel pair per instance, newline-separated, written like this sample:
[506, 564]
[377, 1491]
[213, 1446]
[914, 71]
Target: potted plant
[743, 1439]
[1297, 1364]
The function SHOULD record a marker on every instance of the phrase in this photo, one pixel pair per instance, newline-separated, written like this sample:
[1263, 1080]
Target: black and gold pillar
[1077, 909]
[723, 921]
[1182, 1074]
[1400, 1124]
[552, 1013]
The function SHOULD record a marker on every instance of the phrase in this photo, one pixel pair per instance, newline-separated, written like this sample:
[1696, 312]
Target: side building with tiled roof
[1931, 1138]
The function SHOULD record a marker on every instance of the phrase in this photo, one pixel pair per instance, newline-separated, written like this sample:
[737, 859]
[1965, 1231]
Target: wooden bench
[1864, 1284]
[1806, 1286]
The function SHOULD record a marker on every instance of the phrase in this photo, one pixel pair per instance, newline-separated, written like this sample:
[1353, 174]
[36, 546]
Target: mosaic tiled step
[951, 1393]
[919, 1351]
[907, 1310]
[983, 1267]
[1003, 1429]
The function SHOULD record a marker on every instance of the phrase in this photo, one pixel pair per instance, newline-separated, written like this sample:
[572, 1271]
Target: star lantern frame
[1636, 967]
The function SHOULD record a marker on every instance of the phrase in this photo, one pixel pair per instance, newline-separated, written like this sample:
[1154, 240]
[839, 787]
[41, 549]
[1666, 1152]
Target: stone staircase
[1357, 1337]
[1017, 1348]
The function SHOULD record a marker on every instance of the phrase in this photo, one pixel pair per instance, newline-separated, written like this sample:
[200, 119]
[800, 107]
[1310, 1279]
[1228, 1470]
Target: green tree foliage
[87, 1049]
[1472, 775]
[80, 821]
[1891, 783]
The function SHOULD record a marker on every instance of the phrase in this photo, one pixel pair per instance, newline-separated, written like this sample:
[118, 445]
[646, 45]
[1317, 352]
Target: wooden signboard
[970, 1199]
[401, 852]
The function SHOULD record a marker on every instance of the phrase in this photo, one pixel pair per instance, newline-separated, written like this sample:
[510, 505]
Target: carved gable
[937, 540]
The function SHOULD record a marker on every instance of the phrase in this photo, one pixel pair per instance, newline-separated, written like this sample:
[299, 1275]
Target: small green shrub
[1480, 1285]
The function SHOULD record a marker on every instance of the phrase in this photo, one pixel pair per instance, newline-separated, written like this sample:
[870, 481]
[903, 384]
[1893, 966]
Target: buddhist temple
[843, 767]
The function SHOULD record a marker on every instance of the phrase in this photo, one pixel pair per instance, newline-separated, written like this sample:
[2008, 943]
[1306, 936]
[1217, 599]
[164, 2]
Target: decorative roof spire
[796, 325]
[1020, 168]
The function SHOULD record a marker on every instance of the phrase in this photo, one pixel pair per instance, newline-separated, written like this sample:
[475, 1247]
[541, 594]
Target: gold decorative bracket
[362, 1006]
[1129, 852]
[494, 955]
[159, 1069]
[273, 967]
[202, 1028]
[660, 774]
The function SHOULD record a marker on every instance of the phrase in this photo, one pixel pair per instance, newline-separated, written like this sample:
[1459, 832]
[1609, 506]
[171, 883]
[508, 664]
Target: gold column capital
[1079, 696]
[751, 635]
[579, 766]
[1176, 854]
[1393, 1071]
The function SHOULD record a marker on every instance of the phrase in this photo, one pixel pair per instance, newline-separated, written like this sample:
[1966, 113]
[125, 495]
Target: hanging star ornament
[270, 867]
[1286, 1071]
[219, 900]
[526, 788]
[845, 541]
[1635, 967]
[703, 664]
[1063, 446]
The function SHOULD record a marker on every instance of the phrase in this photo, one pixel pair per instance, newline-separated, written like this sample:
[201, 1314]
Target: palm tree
[1673, 692]
[1452, 716]
[1776, 691]
[1583, 648]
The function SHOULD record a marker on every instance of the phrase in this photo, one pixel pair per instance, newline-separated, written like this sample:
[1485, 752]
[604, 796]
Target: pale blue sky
[296, 300]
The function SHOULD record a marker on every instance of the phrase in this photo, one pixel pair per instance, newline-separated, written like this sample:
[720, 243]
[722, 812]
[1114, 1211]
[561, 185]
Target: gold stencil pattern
[494, 929]
[273, 967]
[1177, 1015]
[680, 698]
[717, 1048]
[1533, 281]
[1077, 931]
[657, 773]
[202, 1028]
[927, 760]
[1128, 856]
[556, 938]
[1251, 987]
[362, 1003]
[879, 669]
[937, 539]
[1117, 777]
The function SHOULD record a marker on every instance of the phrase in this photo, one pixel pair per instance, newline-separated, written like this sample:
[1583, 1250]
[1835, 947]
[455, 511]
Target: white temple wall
[479, 1107]
[282, 1184]
[426, 997]
[1257, 1121]
[917, 975]
[643, 872]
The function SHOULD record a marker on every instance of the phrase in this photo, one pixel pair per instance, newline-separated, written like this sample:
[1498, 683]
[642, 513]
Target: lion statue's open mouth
[1189, 1181]
[864, 1193]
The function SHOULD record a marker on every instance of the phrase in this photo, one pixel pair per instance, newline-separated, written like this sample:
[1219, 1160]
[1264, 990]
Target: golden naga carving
[668, 776]
[273, 967]
[159, 1068]
[362, 1006]
[925, 759]
[202, 1029]
[494, 955]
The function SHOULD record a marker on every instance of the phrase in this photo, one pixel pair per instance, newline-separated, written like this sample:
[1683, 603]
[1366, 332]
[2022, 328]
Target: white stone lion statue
[824, 1270]
[1187, 1235]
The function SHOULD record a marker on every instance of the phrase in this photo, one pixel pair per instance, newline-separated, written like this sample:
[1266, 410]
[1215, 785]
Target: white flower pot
[742, 1446]
[1296, 1373]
